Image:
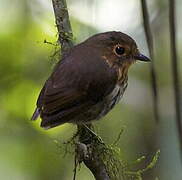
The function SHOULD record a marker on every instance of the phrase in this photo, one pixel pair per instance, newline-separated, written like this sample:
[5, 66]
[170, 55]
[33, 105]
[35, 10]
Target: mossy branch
[88, 152]
[63, 24]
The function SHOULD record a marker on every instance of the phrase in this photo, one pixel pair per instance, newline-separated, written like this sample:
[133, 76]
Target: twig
[149, 39]
[119, 137]
[75, 167]
[174, 60]
[92, 160]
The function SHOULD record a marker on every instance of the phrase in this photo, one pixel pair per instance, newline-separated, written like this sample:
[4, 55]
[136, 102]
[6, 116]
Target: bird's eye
[119, 50]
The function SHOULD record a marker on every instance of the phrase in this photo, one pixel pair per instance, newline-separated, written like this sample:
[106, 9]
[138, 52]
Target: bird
[88, 81]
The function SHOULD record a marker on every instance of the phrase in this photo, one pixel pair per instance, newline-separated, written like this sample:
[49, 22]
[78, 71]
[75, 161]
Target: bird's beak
[141, 57]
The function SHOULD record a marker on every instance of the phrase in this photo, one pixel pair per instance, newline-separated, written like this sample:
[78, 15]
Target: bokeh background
[29, 153]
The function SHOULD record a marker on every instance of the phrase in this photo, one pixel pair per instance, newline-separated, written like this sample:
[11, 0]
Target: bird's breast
[112, 99]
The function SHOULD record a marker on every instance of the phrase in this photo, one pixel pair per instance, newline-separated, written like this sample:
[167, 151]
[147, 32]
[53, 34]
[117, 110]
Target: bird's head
[117, 48]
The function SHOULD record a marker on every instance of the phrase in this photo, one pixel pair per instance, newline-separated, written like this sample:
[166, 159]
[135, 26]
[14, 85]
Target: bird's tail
[35, 114]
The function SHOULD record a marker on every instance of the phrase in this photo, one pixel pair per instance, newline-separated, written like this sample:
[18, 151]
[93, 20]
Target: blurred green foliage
[27, 151]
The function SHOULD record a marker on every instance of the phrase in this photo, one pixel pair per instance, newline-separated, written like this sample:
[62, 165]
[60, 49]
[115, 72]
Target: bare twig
[92, 159]
[149, 38]
[174, 60]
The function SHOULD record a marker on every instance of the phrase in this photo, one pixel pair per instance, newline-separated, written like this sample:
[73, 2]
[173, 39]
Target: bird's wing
[74, 87]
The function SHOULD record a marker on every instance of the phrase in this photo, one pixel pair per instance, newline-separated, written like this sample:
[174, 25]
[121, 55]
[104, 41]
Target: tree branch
[149, 39]
[90, 155]
[63, 24]
[176, 77]
[86, 147]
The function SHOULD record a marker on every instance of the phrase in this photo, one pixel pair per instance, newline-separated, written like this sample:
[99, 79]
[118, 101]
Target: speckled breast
[112, 99]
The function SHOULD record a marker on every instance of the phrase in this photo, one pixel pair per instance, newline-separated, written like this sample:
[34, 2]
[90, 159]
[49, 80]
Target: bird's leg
[90, 130]
[90, 133]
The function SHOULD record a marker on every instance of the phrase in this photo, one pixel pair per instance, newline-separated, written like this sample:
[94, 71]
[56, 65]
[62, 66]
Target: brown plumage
[89, 80]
